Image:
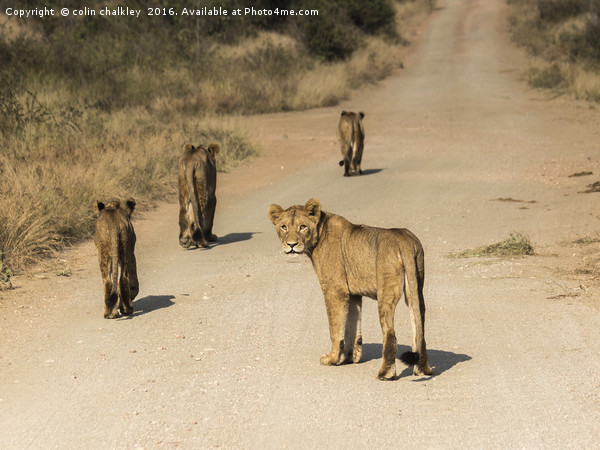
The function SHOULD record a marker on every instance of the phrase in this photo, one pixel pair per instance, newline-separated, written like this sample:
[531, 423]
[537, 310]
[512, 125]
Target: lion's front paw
[329, 360]
[387, 373]
[185, 241]
[111, 314]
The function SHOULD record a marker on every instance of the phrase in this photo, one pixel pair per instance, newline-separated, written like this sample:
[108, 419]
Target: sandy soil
[223, 350]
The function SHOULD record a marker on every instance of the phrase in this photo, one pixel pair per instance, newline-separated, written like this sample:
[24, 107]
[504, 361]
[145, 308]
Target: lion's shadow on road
[150, 303]
[439, 360]
[235, 237]
[230, 238]
[371, 171]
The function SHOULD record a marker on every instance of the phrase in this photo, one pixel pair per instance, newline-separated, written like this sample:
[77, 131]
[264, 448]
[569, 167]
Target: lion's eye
[284, 227]
[302, 227]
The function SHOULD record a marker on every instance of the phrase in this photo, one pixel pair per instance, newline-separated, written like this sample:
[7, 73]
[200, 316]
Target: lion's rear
[115, 240]
[197, 199]
[351, 135]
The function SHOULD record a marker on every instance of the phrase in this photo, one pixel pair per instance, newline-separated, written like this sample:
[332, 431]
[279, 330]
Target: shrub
[331, 35]
[565, 34]
[373, 16]
[558, 10]
[591, 37]
[547, 76]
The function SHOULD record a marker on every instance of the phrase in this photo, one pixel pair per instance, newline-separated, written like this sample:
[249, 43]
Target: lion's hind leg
[111, 297]
[110, 305]
[353, 336]
[389, 291]
[125, 305]
[413, 292]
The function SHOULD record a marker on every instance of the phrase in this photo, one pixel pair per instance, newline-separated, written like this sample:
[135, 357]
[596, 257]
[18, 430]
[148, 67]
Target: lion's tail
[193, 199]
[114, 263]
[414, 278]
[409, 358]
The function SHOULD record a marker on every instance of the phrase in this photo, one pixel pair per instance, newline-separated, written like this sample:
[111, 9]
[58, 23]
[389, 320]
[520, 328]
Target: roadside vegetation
[99, 108]
[563, 36]
[517, 244]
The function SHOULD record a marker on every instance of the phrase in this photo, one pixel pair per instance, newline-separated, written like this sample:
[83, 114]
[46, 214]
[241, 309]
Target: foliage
[547, 76]
[559, 10]
[565, 35]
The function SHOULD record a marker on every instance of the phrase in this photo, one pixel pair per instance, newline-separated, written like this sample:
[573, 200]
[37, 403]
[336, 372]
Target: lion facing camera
[352, 261]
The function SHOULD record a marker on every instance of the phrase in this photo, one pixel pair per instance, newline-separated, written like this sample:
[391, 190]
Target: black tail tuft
[409, 358]
[341, 163]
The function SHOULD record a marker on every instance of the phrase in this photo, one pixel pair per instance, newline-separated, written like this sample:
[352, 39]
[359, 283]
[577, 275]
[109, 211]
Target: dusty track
[224, 347]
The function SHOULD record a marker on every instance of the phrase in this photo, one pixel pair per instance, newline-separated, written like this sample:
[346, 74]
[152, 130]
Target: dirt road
[223, 350]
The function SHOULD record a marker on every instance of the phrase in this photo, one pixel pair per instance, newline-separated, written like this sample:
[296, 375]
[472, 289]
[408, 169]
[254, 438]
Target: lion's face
[297, 226]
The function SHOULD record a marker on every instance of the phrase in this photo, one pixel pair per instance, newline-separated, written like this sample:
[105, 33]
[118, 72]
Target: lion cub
[351, 135]
[115, 241]
[197, 199]
[352, 261]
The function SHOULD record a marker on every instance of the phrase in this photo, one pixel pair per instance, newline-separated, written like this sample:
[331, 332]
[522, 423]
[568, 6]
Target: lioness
[351, 135]
[197, 199]
[115, 241]
[352, 261]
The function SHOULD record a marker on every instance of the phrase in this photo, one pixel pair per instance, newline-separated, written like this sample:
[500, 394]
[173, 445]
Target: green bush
[548, 77]
[329, 36]
[558, 10]
[591, 37]
[373, 16]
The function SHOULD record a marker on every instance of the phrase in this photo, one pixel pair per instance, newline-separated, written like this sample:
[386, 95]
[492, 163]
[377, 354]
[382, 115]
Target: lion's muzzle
[293, 247]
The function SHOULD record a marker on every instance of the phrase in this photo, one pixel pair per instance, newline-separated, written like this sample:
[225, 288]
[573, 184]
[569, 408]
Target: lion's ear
[362, 114]
[99, 206]
[344, 113]
[188, 147]
[313, 208]
[214, 148]
[274, 213]
[130, 205]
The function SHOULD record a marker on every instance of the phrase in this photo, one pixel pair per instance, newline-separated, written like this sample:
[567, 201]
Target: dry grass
[563, 57]
[50, 181]
[516, 245]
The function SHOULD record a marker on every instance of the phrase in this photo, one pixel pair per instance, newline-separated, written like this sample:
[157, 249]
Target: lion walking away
[115, 240]
[352, 261]
[351, 135]
[197, 198]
